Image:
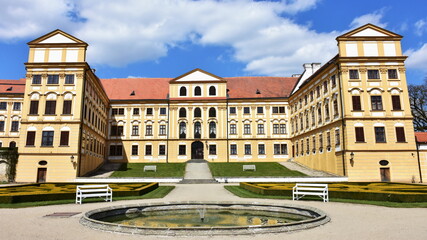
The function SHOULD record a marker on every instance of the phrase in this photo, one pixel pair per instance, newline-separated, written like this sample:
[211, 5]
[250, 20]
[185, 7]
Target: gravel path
[349, 221]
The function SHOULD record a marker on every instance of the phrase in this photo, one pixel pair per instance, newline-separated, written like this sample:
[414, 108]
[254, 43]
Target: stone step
[197, 181]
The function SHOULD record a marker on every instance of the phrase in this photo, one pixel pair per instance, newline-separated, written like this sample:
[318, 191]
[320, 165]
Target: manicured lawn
[160, 192]
[263, 169]
[243, 193]
[163, 170]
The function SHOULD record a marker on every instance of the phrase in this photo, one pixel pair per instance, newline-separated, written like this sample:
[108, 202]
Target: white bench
[102, 191]
[150, 168]
[249, 167]
[313, 189]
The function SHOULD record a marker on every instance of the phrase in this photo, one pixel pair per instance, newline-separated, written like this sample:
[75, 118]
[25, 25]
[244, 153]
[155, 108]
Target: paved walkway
[349, 221]
[197, 170]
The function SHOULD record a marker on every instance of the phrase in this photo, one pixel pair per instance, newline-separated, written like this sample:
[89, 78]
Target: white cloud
[122, 32]
[420, 27]
[373, 18]
[417, 59]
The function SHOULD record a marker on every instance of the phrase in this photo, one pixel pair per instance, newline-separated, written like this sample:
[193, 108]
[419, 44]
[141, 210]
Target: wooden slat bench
[102, 191]
[150, 168]
[249, 167]
[302, 189]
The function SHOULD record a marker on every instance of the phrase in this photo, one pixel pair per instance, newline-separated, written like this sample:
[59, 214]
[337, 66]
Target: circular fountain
[204, 218]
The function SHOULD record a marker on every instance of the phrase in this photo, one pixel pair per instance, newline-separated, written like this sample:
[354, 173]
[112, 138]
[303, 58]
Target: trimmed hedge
[63, 191]
[392, 192]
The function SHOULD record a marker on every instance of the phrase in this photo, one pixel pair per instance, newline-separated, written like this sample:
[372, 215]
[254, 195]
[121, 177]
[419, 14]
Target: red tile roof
[158, 88]
[421, 137]
[12, 86]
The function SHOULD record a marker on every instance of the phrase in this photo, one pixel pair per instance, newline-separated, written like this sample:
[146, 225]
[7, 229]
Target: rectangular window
[276, 148]
[50, 107]
[357, 106]
[275, 128]
[328, 140]
[247, 129]
[376, 103]
[1, 126]
[148, 150]
[37, 79]
[116, 150]
[69, 79]
[380, 134]
[360, 135]
[53, 79]
[275, 110]
[149, 111]
[162, 150]
[395, 100]
[337, 137]
[134, 150]
[162, 130]
[400, 134]
[233, 129]
[246, 110]
[283, 128]
[353, 74]
[31, 138]
[64, 138]
[47, 138]
[325, 86]
[247, 149]
[135, 130]
[15, 126]
[318, 91]
[162, 111]
[333, 81]
[212, 149]
[3, 105]
[260, 128]
[373, 74]
[260, 110]
[392, 74]
[116, 131]
[117, 111]
[321, 142]
[182, 150]
[149, 130]
[261, 149]
[233, 149]
[16, 106]
[67, 107]
[232, 110]
[136, 111]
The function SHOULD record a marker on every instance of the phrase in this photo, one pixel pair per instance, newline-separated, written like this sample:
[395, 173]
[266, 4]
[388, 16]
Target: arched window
[212, 112]
[182, 130]
[197, 112]
[183, 91]
[12, 144]
[197, 130]
[197, 91]
[212, 130]
[212, 91]
[182, 112]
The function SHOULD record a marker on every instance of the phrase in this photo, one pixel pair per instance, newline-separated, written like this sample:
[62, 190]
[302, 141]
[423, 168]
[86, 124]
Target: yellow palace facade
[350, 116]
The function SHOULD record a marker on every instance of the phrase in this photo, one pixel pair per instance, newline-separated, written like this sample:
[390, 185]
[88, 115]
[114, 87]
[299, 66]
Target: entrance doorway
[385, 174]
[41, 175]
[197, 150]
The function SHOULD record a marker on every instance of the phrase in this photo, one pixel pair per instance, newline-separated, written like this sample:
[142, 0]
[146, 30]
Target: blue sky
[166, 38]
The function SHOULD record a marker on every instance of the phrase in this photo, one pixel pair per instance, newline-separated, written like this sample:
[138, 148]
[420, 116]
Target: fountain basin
[204, 218]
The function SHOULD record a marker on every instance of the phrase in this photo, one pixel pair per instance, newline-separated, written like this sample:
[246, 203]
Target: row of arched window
[197, 91]
[197, 112]
[197, 130]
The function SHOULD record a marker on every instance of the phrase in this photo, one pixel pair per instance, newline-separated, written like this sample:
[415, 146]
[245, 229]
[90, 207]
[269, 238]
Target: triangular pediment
[198, 75]
[369, 31]
[57, 37]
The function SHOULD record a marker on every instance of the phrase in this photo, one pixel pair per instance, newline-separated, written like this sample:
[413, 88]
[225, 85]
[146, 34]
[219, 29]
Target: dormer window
[183, 92]
[197, 91]
[212, 91]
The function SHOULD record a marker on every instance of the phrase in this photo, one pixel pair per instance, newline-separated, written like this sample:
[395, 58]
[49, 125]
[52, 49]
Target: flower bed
[61, 191]
[376, 191]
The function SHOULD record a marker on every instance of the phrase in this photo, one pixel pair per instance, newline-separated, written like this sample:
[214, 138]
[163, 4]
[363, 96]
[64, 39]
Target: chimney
[315, 66]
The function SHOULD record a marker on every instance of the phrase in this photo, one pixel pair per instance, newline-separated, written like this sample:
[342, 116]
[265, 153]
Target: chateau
[350, 116]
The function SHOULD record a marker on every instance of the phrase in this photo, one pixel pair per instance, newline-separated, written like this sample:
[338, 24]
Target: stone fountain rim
[321, 219]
